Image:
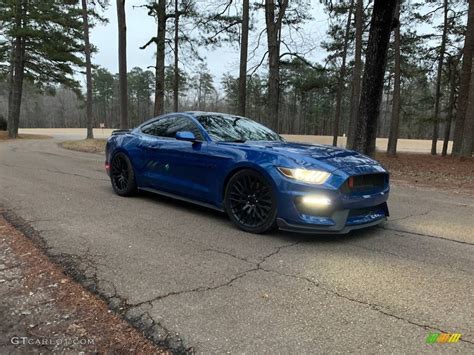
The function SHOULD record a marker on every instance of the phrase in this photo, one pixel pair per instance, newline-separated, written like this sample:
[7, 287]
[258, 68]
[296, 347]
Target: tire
[122, 175]
[250, 202]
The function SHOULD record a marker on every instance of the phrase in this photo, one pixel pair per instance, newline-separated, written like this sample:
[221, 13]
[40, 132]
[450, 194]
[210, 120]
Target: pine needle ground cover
[431, 171]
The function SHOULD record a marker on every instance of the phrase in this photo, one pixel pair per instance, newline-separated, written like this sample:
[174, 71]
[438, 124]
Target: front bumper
[310, 229]
[343, 222]
[348, 210]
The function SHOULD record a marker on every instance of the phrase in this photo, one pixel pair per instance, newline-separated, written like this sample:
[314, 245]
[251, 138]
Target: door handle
[151, 147]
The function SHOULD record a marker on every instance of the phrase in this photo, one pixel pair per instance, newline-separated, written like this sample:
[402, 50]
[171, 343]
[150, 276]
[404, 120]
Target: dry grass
[4, 136]
[86, 145]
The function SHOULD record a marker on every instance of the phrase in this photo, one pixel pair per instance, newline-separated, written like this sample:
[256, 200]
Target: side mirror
[185, 136]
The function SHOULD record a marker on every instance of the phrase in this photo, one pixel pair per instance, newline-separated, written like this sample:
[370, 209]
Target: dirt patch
[431, 171]
[4, 136]
[43, 310]
[86, 145]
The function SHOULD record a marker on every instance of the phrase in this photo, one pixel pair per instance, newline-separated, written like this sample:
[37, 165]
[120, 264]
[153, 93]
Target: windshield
[227, 128]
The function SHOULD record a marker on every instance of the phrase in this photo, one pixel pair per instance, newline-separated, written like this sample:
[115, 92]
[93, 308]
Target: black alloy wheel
[250, 202]
[122, 175]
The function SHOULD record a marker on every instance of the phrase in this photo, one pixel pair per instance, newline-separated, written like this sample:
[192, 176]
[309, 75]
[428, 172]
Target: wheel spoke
[119, 173]
[250, 200]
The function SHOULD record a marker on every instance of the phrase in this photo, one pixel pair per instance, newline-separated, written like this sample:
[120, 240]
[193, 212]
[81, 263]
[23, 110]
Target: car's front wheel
[122, 175]
[250, 202]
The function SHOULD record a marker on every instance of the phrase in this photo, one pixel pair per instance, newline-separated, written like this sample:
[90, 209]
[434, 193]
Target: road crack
[229, 282]
[410, 216]
[424, 235]
[373, 306]
[404, 257]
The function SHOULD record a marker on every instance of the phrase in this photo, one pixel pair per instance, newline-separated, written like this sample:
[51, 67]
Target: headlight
[316, 177]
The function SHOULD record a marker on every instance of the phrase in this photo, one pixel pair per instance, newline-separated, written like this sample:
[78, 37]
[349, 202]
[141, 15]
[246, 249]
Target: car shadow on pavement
[205, 212]
[356, 235]
[182, 205]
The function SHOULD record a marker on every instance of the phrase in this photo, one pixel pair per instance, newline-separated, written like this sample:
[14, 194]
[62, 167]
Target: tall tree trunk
[342, 75]
[356, 74]
[468, 135]
[452, 99]
[442, 50]
[87, 52]
[465, 81]
[244, 43]
[17, 74]
[395, 122]
[176, 62]
[273, 24]
[380, 128]
[122, 54]
[159, 108]
[372, 82]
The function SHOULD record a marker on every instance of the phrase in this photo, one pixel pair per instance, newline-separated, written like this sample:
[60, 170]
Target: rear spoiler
[118, 132]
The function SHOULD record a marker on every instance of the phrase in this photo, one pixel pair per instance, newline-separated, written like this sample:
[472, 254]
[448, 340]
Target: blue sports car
[233, 164]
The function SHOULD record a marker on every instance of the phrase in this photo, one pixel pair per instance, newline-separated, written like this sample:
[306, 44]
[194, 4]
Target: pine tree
[44, 40]
[163, 11]
[463, 101]
[158, 9]
[122, 58]
[372, 83]
[356, 74]
[395, 121]
[87, 53]
[244, 43]
[348, 10]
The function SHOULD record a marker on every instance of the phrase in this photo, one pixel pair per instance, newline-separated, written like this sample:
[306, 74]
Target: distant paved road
[189, 276]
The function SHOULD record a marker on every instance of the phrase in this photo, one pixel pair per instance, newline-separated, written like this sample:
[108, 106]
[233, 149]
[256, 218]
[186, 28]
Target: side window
[161, 126]
[180, 123]
[148, 129]
[158, 127]
[168, 126]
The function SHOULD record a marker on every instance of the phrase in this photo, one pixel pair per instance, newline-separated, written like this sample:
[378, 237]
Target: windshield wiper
[237, 141]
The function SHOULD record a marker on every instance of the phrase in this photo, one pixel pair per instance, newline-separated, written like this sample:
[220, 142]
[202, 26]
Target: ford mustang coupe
[236, 165]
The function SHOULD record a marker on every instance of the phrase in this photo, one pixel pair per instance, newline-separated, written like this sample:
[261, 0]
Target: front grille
[366, 182]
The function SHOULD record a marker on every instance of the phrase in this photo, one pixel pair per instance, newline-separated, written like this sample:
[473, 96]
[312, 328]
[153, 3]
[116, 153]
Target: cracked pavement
[190, 280]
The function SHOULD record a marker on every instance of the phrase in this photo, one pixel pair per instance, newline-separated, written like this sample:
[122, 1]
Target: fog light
[316, 201]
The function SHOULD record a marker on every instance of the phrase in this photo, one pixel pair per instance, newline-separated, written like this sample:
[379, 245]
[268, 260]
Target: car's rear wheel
[250, 202]
[122, 175]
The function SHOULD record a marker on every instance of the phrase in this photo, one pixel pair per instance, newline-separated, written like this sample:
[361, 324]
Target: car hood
[329, 157]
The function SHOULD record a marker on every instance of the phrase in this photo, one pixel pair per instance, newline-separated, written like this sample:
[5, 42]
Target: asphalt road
[189, 277]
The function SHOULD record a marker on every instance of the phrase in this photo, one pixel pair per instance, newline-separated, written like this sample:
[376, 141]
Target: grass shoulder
[4, 136]
[96, 145]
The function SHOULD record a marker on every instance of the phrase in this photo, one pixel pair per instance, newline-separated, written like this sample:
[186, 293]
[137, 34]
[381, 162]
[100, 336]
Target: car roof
[204, 113]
